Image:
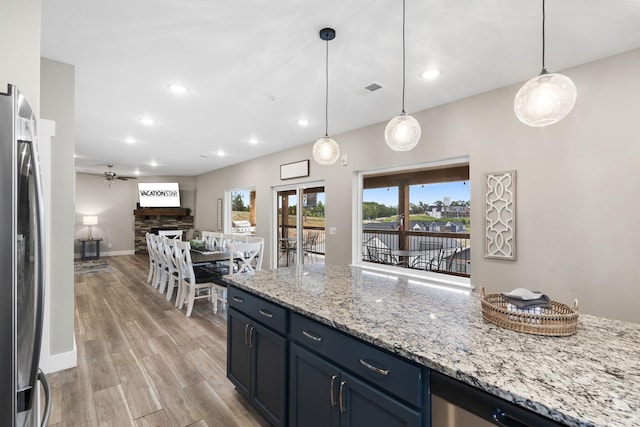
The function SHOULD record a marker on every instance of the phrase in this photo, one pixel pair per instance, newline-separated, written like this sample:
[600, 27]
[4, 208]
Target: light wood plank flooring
[141, 362]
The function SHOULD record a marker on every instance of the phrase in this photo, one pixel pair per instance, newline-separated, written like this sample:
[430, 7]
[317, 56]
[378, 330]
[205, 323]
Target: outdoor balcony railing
[446, 252]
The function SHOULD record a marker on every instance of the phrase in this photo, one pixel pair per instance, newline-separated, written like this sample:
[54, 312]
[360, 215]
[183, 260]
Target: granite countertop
[591, 378]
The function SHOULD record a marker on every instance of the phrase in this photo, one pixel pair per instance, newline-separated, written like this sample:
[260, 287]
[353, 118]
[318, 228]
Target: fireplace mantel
[161, 212]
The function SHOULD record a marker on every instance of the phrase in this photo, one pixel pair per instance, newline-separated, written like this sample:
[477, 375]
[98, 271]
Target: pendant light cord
[326, 97]
[403, 52]
[544, 68]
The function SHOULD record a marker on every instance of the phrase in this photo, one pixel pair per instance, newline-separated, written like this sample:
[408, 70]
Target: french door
[299, 230]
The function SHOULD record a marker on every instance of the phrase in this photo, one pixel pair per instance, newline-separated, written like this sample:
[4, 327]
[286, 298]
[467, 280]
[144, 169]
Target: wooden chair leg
[192, 296]
[214, 300]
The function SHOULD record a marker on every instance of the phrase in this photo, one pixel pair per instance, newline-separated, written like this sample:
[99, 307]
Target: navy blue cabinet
[257, 354]
[321, 394]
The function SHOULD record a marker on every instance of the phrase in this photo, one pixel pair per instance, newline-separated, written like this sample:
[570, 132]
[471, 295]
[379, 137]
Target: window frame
[357, 235]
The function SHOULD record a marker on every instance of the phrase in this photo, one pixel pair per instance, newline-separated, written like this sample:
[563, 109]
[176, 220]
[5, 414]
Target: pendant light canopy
[326, 151]
[402, 132]
[545, 99]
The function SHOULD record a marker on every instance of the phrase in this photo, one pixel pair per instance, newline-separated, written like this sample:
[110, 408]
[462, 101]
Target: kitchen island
[591, 378]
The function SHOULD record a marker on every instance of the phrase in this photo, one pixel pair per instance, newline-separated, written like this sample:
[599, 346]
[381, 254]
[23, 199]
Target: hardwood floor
[141, 362]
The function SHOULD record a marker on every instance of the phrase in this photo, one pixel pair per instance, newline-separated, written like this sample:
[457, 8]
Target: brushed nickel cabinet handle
[246, 328]
[251, 336]
[237, 299]
[312, 336]
[266, 313]
[343, 407]
[374, 368]
[331, 396]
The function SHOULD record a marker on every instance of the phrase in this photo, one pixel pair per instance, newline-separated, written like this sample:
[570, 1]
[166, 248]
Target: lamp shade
[326, 151]
[90, 220]
[402, 132]
[545, 99]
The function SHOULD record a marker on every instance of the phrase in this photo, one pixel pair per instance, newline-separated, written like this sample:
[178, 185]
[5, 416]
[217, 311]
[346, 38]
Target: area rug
[92, 266]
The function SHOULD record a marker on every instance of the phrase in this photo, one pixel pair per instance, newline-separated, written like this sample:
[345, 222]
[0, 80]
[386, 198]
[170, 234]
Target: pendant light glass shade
[402, 133]
[545, 99]
[326, 151]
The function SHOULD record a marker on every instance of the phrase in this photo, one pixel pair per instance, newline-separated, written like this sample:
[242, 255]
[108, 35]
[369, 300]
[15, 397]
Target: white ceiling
[253, 67]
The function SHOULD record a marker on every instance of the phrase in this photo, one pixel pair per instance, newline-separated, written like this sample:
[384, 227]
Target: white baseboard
[116, 253]
[111, 253]
[60, 361]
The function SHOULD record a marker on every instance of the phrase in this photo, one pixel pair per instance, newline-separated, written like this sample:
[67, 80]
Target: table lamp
[90, 220]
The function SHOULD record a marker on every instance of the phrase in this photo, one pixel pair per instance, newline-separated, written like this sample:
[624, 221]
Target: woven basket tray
[561, 320]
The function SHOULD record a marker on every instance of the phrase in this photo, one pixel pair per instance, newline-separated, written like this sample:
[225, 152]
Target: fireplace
[150, 220]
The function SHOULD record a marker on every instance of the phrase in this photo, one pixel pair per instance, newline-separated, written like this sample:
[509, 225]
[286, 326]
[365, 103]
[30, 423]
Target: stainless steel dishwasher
[456, 404]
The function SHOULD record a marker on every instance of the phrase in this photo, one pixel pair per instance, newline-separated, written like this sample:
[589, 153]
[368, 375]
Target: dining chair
[309, 246]
[244, 258]
[196, 282]
[164, 242]
[213, 240]
[432, 256]
[152, 256]
[171, 271]
[157, 247]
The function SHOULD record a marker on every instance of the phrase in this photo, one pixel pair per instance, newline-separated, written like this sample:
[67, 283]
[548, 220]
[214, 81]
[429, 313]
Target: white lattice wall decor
[500, 216]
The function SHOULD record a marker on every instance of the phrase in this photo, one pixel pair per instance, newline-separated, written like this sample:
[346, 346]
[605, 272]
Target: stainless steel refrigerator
[22, 258]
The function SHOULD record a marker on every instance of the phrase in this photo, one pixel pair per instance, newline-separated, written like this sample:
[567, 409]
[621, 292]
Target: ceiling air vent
[373, 87]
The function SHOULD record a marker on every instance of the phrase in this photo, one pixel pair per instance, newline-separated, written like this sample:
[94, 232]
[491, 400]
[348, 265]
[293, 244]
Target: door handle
[266, 313]
[375, 369]
[47, 396]
[246, 329]
[251, 336]
[312, 336]
[237, 299]
[343, 407]
[504, 420]
[331, 391]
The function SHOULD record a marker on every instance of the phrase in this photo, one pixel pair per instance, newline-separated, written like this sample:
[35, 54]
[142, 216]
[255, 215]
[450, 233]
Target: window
[417, 220]
[243, 211]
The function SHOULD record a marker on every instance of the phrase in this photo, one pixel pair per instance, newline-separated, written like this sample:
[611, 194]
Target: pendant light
[547, 98]
[402, 132]
[326, 151]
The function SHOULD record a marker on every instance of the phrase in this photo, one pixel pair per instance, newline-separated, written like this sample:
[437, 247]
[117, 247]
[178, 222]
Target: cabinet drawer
[393, 374]
[258, 309]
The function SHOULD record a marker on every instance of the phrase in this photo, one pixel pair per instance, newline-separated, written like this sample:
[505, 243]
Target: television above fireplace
[159, 195]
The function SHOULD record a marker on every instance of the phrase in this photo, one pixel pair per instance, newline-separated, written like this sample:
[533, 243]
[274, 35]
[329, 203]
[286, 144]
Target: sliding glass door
[299, 230]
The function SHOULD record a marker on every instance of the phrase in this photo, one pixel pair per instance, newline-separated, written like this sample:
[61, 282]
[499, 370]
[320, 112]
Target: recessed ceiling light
[130, 140]
[220, 153]
[154, 163]
[431, 73]
[136, 172]
[146, 121]
[303, 122]
[176, 88]
[253, 141]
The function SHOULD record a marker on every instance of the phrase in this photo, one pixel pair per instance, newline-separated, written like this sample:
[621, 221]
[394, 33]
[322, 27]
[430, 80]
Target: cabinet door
[363, 405]
[269, 374]
[238, 351]
[311, 380]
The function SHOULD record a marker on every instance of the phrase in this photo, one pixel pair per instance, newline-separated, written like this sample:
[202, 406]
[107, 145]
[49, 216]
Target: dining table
[405, 255]
[203, 256]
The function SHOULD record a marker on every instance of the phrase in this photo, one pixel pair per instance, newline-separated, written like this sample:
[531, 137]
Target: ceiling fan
[111, 176]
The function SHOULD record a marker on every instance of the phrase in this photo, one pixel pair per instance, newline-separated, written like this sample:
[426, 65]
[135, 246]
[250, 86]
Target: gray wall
[576, 195]
[114, 207]
[57, 104]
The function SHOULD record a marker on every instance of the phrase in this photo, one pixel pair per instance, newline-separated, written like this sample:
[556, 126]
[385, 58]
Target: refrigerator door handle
[35, 161]
[47, 397]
